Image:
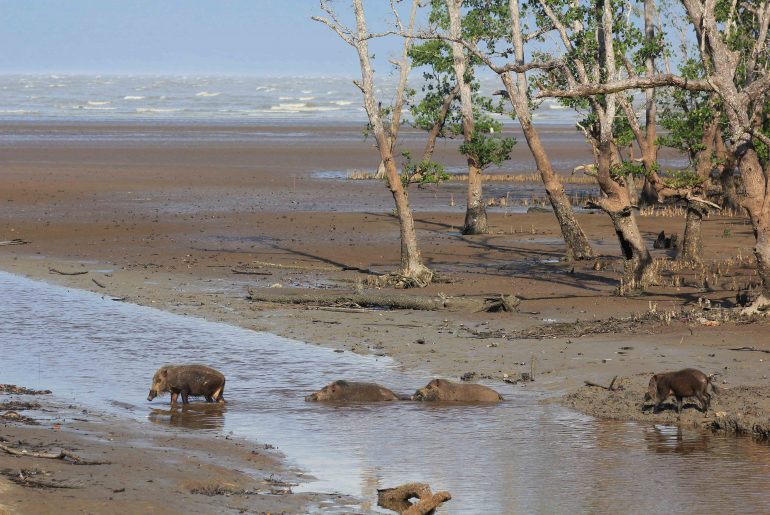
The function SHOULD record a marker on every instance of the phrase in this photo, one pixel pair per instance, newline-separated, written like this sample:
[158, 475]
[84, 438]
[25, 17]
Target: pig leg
[174, 396]
[185, 394]
[678, 405]
[219, 394]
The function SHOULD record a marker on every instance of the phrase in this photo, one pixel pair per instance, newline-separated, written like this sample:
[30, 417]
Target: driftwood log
[15, 241]
[506, 303]
[611, 387]
[399, 498]
[61, 455]
[390, 301]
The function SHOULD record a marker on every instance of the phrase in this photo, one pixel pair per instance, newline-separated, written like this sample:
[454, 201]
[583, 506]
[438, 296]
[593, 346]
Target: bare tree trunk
[692, 242]
[757, 204]
[575, 239]
[411, 262]
[430, 144]
[476, 212]
[637, 269]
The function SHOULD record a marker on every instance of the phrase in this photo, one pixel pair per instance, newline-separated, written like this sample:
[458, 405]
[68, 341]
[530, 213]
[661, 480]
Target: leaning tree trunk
[476, 211]
[575, 239]
[727, 180]
[638, 272]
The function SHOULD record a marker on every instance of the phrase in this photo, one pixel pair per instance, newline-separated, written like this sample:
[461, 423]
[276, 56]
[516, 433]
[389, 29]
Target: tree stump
[399, 498]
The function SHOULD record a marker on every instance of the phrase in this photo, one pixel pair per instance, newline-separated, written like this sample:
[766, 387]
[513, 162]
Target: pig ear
[164, 372]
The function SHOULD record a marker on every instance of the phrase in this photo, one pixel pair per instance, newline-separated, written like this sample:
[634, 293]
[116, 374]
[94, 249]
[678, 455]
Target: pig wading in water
[348, 391]
[441, 390]
[196, 380]
[683, 383]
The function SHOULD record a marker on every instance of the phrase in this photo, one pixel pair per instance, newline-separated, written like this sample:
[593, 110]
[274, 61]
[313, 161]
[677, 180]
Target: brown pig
[446, 391]
[683, 383]
[196, 380]
[348, 391]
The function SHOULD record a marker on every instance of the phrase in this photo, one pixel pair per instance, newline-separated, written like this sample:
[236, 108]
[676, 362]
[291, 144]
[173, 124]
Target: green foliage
[487, 149]
[628, 169]
[424, 172]
[682, 179]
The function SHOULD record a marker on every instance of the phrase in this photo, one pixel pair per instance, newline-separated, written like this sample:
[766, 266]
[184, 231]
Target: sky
[212, 37]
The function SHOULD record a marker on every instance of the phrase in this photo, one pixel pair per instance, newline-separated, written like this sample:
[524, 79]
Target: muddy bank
[736, 409]
[118, 466]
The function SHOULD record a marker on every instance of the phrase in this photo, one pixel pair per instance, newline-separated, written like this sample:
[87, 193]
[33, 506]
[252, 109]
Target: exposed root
[760, 306]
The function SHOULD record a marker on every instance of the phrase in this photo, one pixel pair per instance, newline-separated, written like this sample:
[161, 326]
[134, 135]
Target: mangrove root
[61, 455]
[398, 499]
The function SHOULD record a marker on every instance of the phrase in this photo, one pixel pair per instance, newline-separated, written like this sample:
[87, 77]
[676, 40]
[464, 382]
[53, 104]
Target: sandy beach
[187, 219]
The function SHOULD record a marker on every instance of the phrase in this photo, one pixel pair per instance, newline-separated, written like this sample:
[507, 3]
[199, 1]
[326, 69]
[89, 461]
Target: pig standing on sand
[441, 390]
[684, 383]
[348, 391]
[196, 380]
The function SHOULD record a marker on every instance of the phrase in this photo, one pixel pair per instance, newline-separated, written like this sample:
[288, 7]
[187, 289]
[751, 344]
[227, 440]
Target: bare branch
[585, 90]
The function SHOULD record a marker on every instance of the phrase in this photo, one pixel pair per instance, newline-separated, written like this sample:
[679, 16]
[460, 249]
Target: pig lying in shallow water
[441, 390]
[348, 391]
[683, 383]
[196, 380]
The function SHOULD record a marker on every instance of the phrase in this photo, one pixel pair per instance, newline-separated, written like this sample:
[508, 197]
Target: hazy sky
[253, 37]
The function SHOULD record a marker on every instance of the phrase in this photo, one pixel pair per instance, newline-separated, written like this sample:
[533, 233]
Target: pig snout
[311, 397]
[152, 395]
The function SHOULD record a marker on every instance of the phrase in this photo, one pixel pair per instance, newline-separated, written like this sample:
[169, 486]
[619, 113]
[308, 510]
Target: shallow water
[521, 456]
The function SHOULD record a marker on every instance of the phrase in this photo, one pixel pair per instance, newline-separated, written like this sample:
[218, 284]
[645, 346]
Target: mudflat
[190, 219]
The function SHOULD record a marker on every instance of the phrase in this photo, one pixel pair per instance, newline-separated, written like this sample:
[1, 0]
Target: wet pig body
[681, 384]
[187, 380]
[442, 390]
[349, 391]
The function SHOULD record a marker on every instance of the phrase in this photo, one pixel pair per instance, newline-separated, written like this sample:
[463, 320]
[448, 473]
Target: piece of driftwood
[61, 455]
[100, 285]
[55, 271]
[357, 300]
[754, 349]
[249, 272]
[15, 241]
[611, 387]
[399, 498]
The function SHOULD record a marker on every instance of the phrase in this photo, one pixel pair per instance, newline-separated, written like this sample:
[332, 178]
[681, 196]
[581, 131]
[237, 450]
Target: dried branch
[61, 455]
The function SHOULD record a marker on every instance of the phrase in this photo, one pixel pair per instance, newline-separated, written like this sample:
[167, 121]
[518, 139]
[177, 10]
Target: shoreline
[129, 466]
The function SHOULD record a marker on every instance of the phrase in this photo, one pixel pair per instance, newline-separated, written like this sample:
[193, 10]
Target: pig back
[197, 379]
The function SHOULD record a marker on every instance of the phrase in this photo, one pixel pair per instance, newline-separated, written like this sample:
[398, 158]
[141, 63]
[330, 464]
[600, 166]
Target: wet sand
[163, 220]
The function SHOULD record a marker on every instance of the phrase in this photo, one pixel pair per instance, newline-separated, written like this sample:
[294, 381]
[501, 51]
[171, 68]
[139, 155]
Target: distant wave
[266, 89]
[155, 110]
[207, 94]
[98, 102]
[301, 108]
[16, 111]
[340, 102]
[133, 97]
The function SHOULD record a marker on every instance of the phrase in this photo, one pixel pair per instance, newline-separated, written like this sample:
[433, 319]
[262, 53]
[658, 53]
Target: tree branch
[617, 86]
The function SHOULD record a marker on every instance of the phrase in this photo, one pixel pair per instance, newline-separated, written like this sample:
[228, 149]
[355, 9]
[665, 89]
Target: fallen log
[362, 300]
[398, 499]
[506, 303]
[61, 455]
[55, 271]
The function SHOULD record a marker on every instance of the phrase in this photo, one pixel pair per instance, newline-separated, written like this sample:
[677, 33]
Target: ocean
[218, 99]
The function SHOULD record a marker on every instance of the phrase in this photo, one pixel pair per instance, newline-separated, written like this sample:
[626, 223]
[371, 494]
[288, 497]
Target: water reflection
[190, 416]
[516, 456]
